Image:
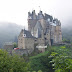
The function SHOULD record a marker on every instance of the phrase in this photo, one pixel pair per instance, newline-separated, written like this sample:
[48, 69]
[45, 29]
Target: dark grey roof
[28, 34]
[48, 16]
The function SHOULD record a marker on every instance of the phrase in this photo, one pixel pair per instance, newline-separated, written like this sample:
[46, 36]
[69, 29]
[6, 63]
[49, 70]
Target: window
[35, 40]
[24, 35]
[21, 42]
[45, 38]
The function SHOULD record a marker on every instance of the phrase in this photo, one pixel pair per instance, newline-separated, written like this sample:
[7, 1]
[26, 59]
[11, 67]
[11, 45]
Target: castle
[43, 30]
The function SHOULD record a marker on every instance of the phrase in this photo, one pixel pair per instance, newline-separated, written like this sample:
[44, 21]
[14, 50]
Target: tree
[15, 44]
[66, 40]
[39, 71]
[62, 62]
[12, 63]
[41, 63]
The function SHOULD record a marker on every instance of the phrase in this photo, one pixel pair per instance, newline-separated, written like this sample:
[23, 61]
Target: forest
[55, 59]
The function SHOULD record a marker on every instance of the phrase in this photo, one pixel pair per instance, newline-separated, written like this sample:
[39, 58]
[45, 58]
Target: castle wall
[20, 52]
[8, 48]
[54, 34]
[41, 49]
[29, 43]
[43, 23]
[31, 24]
[58, 35]
[25, 43]
[41, 42]
[21, 40]
[47, 36]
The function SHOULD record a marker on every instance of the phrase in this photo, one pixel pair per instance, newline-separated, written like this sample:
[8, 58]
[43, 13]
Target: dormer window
[24, 35]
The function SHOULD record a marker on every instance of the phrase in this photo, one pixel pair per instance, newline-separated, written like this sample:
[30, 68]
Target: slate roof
[48, 16]
[53, 24]
[28, 34]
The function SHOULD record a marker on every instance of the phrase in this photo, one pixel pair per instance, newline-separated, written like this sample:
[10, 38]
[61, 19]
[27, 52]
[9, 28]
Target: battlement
[40, 15]
[45, 22]
[34, 16]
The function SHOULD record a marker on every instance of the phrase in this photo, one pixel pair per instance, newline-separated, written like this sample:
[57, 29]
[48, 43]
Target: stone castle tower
[42, 30]
[44, 26]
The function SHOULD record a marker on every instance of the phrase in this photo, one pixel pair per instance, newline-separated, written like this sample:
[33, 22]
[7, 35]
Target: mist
[14, 13]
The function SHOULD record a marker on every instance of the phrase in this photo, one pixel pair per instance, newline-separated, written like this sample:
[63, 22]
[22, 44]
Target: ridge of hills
[8, 32]
[67, 30]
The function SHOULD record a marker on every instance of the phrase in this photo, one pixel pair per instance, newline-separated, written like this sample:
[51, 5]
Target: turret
[34, 15]
[40, 15]
[32, 20]
[29, 15]
[57, 22]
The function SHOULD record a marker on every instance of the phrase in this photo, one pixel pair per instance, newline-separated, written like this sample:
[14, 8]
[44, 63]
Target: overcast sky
[16, 11]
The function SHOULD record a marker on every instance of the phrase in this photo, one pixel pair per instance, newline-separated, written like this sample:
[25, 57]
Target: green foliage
[12, 63]
[55, 59]
[66, 40]
[26, 58]
[40, 62]
[53, 54]
[15, 44]
[62, 59]
[39, 71]
[63, 46]
[33, 71]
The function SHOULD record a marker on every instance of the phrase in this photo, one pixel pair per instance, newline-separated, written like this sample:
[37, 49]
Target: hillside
[8, 32]
[67, 30]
